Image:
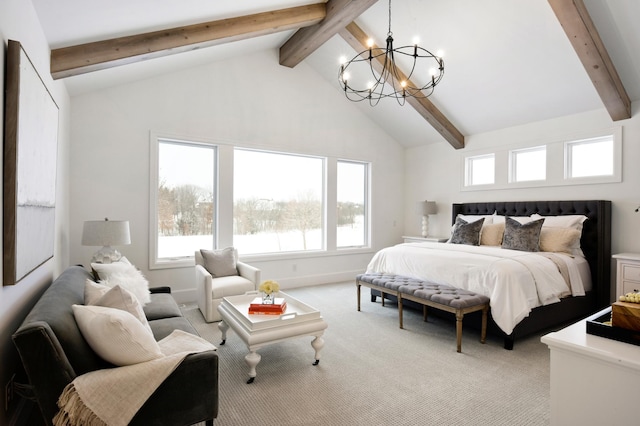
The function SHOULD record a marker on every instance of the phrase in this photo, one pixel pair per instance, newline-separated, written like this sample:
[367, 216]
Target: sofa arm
[189, 395]
[249, 272]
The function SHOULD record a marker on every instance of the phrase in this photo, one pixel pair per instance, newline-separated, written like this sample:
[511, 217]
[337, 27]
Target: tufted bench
[439, 296]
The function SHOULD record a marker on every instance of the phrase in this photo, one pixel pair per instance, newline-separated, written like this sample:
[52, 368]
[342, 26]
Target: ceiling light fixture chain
[374, 73]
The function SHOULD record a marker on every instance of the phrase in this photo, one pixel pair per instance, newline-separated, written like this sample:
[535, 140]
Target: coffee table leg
[252, 359]
[317, 344]
[223, 326]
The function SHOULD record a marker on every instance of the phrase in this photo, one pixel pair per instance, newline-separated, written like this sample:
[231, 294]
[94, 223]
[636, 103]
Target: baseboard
[189, 295]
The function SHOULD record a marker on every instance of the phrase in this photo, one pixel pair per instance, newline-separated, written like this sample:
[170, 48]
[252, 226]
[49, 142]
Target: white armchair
[210, 289]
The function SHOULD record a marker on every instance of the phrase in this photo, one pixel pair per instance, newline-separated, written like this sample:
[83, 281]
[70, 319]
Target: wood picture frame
[30, 160]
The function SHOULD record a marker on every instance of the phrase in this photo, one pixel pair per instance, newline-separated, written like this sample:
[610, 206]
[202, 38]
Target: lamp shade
[428, 207]
[106, 233]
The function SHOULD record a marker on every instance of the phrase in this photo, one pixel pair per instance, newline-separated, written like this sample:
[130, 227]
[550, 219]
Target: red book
[258, 308]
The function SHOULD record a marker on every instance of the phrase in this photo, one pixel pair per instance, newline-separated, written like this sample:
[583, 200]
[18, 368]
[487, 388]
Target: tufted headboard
[596, 231]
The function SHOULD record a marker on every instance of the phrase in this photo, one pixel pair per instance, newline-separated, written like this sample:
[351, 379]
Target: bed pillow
[491, 235]
[572, 221]
[522, 236]
[116, 335]
[521, 219]
[220, 263]
[559, 240]
[466, 233]
[473, 218]
[126, 276]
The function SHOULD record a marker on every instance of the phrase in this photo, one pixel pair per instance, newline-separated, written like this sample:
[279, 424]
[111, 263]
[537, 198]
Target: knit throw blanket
[113, 396]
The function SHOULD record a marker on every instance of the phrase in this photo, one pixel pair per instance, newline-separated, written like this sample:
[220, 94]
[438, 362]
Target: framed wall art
[30, 158]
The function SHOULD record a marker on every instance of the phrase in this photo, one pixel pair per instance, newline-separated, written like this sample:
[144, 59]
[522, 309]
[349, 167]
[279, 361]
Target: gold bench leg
[400, 309]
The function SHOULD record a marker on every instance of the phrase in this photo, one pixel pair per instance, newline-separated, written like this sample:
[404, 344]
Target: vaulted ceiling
[506, 63]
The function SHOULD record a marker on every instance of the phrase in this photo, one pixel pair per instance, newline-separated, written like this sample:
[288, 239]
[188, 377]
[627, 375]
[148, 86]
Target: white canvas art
[30, 186]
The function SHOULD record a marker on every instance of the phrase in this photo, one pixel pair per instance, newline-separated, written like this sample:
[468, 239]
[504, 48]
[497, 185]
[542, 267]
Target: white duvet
[515, 281]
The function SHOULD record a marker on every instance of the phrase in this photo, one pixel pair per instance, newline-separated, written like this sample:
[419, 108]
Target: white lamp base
[425, 225]
[106, 254]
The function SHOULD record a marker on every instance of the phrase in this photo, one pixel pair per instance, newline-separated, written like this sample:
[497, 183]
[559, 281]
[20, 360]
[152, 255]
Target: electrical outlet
[8, 393]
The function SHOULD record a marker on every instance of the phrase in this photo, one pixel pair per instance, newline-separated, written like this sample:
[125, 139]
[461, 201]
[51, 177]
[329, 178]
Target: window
[528, 164]
[351, 215]
[480, 170]
[277, 202]
[589, 157]
[183, 182]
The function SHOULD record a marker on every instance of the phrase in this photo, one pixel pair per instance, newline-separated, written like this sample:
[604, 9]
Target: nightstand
[627, 273]
[416, 239]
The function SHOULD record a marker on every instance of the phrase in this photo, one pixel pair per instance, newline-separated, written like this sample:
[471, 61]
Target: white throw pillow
[126, 276]
[93, 291]
[115, 335]
[120, 298]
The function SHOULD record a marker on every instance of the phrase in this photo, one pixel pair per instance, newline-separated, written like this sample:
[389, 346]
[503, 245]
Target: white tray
[296, 312]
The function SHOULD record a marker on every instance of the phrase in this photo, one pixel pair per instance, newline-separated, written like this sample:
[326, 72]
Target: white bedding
[515, 281]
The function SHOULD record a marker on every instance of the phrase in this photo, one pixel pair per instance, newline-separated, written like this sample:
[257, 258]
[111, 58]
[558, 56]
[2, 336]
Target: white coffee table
[257, 331]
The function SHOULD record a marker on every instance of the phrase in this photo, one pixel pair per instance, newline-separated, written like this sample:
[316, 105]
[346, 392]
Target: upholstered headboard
[596, 231]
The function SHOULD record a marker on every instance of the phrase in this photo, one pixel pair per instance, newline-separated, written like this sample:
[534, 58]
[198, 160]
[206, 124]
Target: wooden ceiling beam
[84, 58]
[584, 38]
[357, 39]
[306, 40]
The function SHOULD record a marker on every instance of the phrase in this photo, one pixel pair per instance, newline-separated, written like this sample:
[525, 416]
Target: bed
[528, 276]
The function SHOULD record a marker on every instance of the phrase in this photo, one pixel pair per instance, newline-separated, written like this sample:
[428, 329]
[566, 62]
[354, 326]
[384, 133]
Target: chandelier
[373, 74]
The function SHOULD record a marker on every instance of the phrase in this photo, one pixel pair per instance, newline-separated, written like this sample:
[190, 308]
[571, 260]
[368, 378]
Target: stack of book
[277, 308]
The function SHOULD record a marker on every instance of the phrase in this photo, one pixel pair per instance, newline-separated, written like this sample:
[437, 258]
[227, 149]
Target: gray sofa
[54, 352]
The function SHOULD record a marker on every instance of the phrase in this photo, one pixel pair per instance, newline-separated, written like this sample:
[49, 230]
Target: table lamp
[106, 233]
[426, 208]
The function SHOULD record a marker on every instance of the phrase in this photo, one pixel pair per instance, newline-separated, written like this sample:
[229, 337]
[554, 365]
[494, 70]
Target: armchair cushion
[220, 263]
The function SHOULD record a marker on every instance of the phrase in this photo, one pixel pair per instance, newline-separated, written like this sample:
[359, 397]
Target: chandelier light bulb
[440, 53]
[343, 60]
[369, 42]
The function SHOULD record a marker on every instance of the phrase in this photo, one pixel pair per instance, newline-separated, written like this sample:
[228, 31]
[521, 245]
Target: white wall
[19, 22]
[250, 101]
[435, 172]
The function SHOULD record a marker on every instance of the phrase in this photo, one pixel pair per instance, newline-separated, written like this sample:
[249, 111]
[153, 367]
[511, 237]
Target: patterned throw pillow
[466, 233]
[523, 237]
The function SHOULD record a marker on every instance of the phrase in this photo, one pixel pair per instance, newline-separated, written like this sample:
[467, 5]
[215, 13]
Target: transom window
[589, 157]
[528, 164]
[480, 170]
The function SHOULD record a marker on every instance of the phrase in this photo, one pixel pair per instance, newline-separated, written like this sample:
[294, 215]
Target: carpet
[373, 373]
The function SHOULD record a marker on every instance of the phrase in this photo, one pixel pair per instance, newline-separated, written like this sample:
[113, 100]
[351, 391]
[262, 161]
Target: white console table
[594, 380]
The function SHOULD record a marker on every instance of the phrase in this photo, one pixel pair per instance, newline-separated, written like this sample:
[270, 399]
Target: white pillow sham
[115, 335]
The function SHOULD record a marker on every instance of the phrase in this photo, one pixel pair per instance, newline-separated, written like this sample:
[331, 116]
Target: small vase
[268, 299]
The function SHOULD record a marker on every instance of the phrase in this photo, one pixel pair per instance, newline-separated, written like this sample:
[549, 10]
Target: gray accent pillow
[523, 237]
[466, 233]
[220, 263]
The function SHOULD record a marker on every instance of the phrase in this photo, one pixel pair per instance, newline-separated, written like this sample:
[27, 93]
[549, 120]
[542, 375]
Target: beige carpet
[373, 373]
